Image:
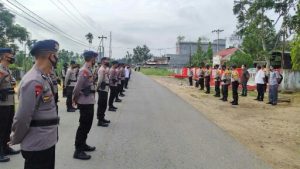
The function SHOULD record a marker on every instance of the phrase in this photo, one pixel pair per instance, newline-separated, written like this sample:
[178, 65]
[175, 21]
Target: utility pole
[101, 47]
[110, 40]
[218, 31]
[190, 55]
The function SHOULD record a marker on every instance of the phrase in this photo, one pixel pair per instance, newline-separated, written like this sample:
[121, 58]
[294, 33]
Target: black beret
[45, 46]
[89, 54]
[6, 50]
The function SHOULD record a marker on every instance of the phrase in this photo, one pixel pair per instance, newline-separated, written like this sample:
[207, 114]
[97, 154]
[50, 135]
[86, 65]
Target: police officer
[122, 79]
[201, 78]
[84, 97]
[102, 88]
[235, 85]
[244, 80]
[54, 80]
[7, 103]
[118, 74]
[70, 82]
[207, 75]
[113, 79]
[35, 124]
[217, 81]
[225, 82]
[191, 75]
[63, 74]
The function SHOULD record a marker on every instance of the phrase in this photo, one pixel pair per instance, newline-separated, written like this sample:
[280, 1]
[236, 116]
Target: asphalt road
[153, 129]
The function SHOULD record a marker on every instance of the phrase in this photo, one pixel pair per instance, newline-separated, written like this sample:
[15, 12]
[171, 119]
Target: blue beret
[114, 62]
[89, 54]
[6, 50]
[45, 46]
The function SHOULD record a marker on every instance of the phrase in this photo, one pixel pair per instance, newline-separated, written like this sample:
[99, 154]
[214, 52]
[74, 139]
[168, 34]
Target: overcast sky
[155, 23]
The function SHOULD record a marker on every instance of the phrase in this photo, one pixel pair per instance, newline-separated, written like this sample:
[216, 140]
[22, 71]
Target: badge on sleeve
[85, 73]
[38, 90]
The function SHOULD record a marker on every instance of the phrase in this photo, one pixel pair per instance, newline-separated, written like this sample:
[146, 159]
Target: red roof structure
[226, 52]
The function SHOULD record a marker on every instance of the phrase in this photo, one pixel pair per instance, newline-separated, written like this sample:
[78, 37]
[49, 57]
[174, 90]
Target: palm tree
[90, 38]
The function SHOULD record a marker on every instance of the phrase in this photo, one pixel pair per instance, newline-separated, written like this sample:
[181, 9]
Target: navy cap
[114, 62]
[6, 50]
[45, 46]
[89, 54]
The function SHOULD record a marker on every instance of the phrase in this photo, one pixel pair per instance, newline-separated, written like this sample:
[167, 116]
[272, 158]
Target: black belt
[73, 80]
[43, 123]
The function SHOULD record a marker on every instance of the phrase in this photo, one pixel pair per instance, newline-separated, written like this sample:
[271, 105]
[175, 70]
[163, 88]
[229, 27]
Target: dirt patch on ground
[272, 132]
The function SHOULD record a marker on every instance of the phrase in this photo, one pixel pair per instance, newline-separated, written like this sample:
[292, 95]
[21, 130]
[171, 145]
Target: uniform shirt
[71, 77]
[85, 81]
[36, 103]
[226, 77]
[201, 73]
[6, 83]
[122, 73]
[113, 78]
[259, 77]
[119, 75]
[127, 73]
[218, 75]
[191, 73]
[103, 77]
[234, 76]
[207, 73]
[54, 81]
[273, 77]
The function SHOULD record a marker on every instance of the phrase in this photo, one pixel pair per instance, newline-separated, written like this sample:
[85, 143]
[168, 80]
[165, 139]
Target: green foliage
[240, 58]
[200, 57]
[156, 71]
[9, 32]
[141, 54]
[295, 53]
[258, 29]
[89, 37]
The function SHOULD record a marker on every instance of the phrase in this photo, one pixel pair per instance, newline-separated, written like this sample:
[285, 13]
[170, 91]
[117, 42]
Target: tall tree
[90, 38]
[253, 17]
[198, 58]
[295, 53]
[141, 54]
[9, 31]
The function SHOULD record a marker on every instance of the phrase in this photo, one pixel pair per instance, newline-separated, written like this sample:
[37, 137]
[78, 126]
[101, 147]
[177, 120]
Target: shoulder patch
[38, 89]
[85, 73]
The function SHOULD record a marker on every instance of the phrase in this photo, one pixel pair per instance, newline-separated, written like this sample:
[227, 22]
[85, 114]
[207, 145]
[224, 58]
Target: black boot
[102, 123]
[3, 158]
[10, 151]
[81, 155]
[106, 121]
[88, 148]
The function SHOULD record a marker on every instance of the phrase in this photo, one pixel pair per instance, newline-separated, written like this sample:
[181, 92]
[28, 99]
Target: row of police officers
[35, 124]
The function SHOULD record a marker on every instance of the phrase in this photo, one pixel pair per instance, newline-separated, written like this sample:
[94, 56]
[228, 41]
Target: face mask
[106, 64]
[54, 63]
[12, 60]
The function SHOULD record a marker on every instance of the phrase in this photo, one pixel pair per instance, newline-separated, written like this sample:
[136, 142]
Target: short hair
[258, 67]
[40, 54]
[245, 65]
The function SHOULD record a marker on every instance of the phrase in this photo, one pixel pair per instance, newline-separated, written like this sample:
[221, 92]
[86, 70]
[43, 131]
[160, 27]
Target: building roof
[226, 52]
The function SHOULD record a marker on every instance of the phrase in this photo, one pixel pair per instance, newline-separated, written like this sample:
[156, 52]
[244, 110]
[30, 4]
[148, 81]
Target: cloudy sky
[155, 23]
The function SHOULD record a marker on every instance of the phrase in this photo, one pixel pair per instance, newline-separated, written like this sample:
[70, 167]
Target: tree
[141, 54]
[180, 38]
[209, 53]
[9, 31]
[295, 53]
[128, 58]
[258, 29]
[90, 38]
[240, 58]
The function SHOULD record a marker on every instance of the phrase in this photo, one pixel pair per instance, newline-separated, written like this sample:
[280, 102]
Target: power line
[81, 15]
[56, 29]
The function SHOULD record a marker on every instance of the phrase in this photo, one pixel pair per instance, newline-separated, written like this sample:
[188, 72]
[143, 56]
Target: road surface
[153, 129]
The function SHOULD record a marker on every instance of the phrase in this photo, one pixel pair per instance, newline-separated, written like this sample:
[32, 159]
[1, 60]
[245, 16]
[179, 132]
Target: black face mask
[54, 63]
[106, 64]
[12, 60]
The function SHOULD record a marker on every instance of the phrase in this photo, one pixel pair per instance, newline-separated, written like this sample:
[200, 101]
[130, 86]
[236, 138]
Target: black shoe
[118, 100]
[126, 87]
[81, 155]
[112, 109]
[124, 91]
[225, 100]
[10, 151]
[269, 103]
[256, 99]
[88, 148]
[4, 158]
[260, 100]
[106, 121]
[232, 102]
[235, 104]
[222, 99]
[102, 124]
[122, 95]
[274, 104]
[217, 95]
[71, 110]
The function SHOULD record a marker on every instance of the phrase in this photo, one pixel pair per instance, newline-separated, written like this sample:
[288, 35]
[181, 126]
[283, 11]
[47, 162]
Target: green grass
[156, 71]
